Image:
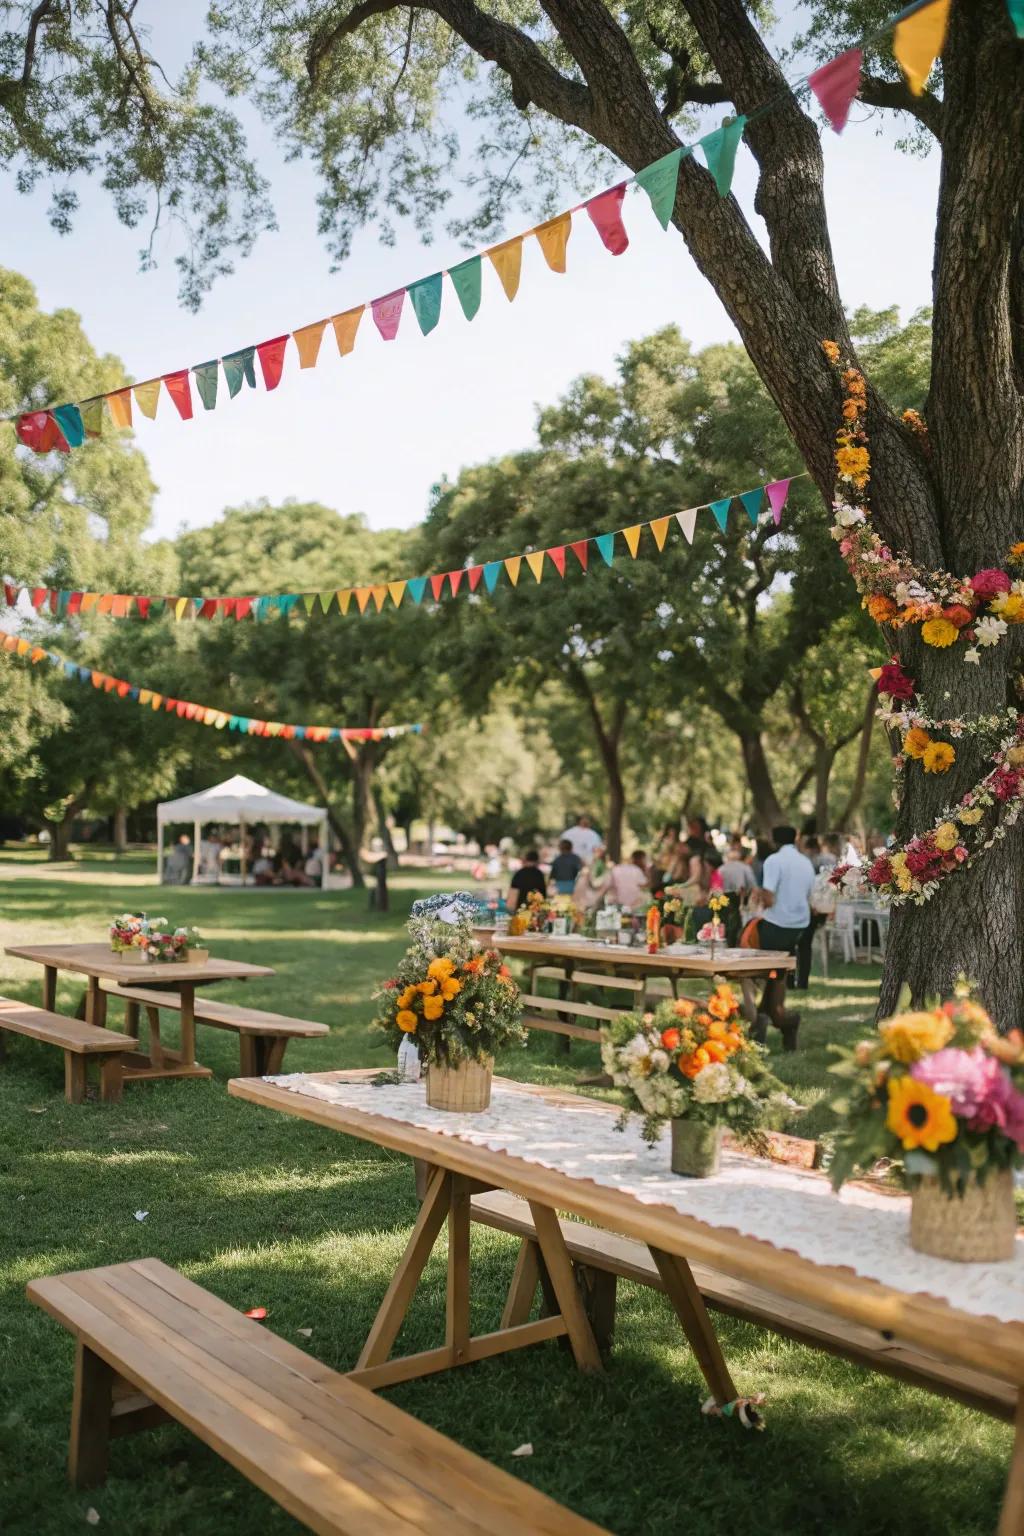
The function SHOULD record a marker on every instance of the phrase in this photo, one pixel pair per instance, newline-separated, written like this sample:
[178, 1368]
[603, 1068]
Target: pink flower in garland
[988, 584]
[894, 681]
[1006, 783]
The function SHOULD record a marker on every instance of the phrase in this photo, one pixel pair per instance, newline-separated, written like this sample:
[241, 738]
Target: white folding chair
[844, 932]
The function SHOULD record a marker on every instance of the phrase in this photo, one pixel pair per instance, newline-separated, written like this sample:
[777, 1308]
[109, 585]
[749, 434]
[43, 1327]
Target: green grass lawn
[265, 1210]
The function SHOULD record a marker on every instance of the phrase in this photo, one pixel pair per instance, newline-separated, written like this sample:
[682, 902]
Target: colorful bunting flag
[535, 560]
[345, 328]
[918, 40]
[553, 237]
[119, 404]
[387, 313]
[307, 343]
[659, 527]
[177, 386]
[606, 547]
[752, 503]
[239, 368]
[147, 397]
[777, 492]
[836, 85]
[581, 549]
[1016, 10]
[492, 570]
[69, 420]
[206, 376]
[659, 181]
[507, 260]
[557, 558]
[721, 511]
[719, 150]
[466, 282]
[416, 587]
[512, 565]
[271, 356]
[632, 538]
[425, 297]
[605, 212]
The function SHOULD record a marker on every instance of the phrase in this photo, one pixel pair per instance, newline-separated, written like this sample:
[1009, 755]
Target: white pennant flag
[687, 521]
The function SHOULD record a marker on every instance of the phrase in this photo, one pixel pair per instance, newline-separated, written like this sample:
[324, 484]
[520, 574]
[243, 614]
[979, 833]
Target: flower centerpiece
[692, 1064]
[194, 950]
[672, 913]
[546, 914]
[137, 938]
[459, 1004]
[713, 932]
[941, 1093]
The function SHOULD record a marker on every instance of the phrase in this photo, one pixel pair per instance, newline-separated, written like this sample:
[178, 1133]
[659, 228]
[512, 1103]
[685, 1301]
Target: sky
[374, 431]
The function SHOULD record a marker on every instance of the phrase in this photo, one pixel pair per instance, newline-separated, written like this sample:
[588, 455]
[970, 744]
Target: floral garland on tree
[977, 609]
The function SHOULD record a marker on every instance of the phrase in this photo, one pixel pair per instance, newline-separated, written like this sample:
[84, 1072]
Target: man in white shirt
[585, 841]
[787, 883]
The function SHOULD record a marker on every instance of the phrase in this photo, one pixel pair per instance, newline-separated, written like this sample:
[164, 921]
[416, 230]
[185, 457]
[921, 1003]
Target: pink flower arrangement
[894, 681]
[979, 1089]
[989, 583]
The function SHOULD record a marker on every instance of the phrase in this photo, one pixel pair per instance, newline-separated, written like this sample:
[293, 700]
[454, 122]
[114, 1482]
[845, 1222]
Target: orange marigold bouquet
[688, 1060]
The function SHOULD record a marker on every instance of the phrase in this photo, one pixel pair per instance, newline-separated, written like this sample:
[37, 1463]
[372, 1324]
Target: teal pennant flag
[721, 511]
[239, 367]
[466, 282]
[206, 382]
[719, 150]
[425, 297]
[606, 544]
[752, 503]
[659, 182]
[1016, 10]
[69, 419]
[492, 570]
[416, 587]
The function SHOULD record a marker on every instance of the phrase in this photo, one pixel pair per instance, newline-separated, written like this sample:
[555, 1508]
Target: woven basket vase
[978, 1227]
[464, 1088]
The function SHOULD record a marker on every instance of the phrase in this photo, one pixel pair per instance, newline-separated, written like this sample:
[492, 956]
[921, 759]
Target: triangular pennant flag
[307, 343]
[606, 216]
[39, 431]
[719, 150]
[142, 604]
[659, 527]
[39, 596]
[552, 238]
[687, 521]
[512, 565]
[309, 601]
[239, 368]
[119, 606]
[416, 587]
[752, 503]
[473, 576]
[777, 493]
[917, 42]
[271, 356]
[362, 598]
[606, 546]
[721, 511]
[437, 586]
[180, 605]
[387, 313]
[89, 601]
[397, 591]
[206, 377]
[69, 419]
[659, 181]
[1016, 10]
[455, 578]
[243, 608]
[345, 327]
[344, 596]
[492, 570]
[425, 297]
[536, 563]
[326, 599]
[93, 415]
[380, 596]
[836, 84]
[147, 397]
[581, 549]
[119, 404]
[176, 385]
[466, 282]
[632, 538]
[105, 603]
[507, 260]
[557, 556]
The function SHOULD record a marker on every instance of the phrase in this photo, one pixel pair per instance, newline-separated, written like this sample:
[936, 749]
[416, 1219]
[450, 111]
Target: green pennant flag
[239, 366]
[466, 282]
[425, 297]
[752, 503]
[326, 599]
[659, 182]
[156, 606]
[720, 152]
[206, 383]
[308, 599]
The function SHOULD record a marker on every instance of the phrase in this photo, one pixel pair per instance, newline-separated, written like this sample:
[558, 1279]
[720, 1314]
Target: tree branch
[35, 21]
[896, 96]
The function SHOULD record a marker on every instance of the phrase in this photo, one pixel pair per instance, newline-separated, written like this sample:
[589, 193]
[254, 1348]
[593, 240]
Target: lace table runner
[860, 1229]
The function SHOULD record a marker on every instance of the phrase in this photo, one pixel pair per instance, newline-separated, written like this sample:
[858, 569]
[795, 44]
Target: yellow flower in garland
[450, 988]
[946, 837]
[439, 969]
[406, 1020]
[919, 1116]
[433, 1007]
[1009, 606]
[852, 462]
[909, 1036]
[970, 816]
[939, 757]
[916, 742]
[939, 632]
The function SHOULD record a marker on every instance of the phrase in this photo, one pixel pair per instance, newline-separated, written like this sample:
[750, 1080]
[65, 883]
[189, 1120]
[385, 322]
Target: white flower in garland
[847, 516]
[973, 655]
[990, 631]
[714, 1084]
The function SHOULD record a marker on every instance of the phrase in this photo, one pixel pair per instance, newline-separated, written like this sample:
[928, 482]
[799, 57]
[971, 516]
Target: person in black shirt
[565, 868]
[529, 878]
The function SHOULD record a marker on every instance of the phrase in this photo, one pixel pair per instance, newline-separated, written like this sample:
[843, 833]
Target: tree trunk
[385, 833]
[609, 741]
[860, 776]
[767, 812]
[363, 764]
[120, 830]
[349, 850]
[60, 837]
[824, 757]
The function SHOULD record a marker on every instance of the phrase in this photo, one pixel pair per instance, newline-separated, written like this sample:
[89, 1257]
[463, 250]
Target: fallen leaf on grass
[141, 1215]
[257, 1314]
[37, 1109]
[92, 1516]
[307, 1333]
[523, 1450]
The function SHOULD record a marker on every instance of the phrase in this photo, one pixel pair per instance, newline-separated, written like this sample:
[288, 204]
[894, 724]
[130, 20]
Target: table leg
[457, 1303]
[50, 988]
[406, 1277]
[156, 1049]
[563, 1281]
[96, 1004]
[688, 1304]
[525, 1279]
[1011, 1519]
[188, 1024]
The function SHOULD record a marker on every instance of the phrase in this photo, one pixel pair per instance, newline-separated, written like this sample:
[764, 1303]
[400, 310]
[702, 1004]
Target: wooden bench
[152, 1346]
[77, 1040]
[262, 1036]
[561, 1015]
[601, 1258]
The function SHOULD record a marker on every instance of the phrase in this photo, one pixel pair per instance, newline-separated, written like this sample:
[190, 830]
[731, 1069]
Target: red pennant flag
[558, 558]
[10, 594]
[606, 216]
[836, 84]
[191, 710]
[123, 690]
[288, 731]
[75, 602]
[39, 596]
[436, 584]
[226, 606]
[39, 431]
[455, 577]
[208, 609]
[243, 607]
[179, 709]
[54, 600]
[474, 573]
[271, 356]
[177, 387]
[142, 603]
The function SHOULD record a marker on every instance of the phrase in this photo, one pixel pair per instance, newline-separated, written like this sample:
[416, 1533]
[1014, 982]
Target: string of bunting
[63, 602]
[202, 714]
[918, 36]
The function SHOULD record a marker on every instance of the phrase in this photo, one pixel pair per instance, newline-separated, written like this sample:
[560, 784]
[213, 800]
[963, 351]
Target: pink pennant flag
[836, 84]
[606, 216]
[387, 312]
[271, 356]
[777, 493]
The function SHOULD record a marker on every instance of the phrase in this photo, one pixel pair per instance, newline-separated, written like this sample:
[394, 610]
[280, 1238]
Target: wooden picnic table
[97, 963]
[468, 1155]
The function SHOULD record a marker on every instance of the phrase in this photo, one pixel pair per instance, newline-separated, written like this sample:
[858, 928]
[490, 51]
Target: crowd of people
[285, 864]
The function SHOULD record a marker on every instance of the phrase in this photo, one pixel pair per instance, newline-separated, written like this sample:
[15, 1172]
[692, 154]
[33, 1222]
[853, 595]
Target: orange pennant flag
[917, 42]
[105, 603]
[536, 563]
[89, 600]
[307, 343]
[397, 590]
[38, 654]
[344, 598]
[362, 598]
[380, 596]
[345, 327]
[23, 647]
[552, 238]
[147, 397]
[507, 260]
[120, 407]
[512, 565]
[118, 606]
[157, 700]
[659, 527]
[632, 538]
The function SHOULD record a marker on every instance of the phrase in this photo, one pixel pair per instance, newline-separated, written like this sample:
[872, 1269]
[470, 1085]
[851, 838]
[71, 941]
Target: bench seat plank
[208, 1010]
[631, 1260]
[327, 1450]
[57, 1029]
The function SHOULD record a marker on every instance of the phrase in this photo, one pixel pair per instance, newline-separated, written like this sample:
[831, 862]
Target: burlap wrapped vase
[978, 1227]
[464, 1088]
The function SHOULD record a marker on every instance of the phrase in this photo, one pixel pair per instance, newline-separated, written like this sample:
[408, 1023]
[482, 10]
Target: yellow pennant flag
[345, 327]
[380, 596]
[344, 598]
[23, 647]
[507, 260]
[307, 342]
[397, 590]
[632, 538]
[147, 397]
[917, 42]
[120, 406]
[157, 700]
[362, 598]
[512, 565]
[144, 695]
[552, 238]
[659, 527]
[180, 606]
[536, 563]
[221, 721]
[93, 415]
[209, 716]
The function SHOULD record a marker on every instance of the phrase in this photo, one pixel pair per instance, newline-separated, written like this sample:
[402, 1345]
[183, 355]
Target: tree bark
[767, 812]
[609, 742]
[348, 848]
[60, 833]
[120, 830]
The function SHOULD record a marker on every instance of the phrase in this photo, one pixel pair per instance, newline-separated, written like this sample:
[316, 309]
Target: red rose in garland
[894, 681]
[989, 583]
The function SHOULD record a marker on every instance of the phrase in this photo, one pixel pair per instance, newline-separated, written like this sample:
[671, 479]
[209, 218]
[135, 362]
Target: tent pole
[241, 845]
[324, 851]
[196, 830]
[159, 852]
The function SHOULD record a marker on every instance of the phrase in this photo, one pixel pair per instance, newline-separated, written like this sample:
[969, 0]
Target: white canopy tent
[242, 801]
